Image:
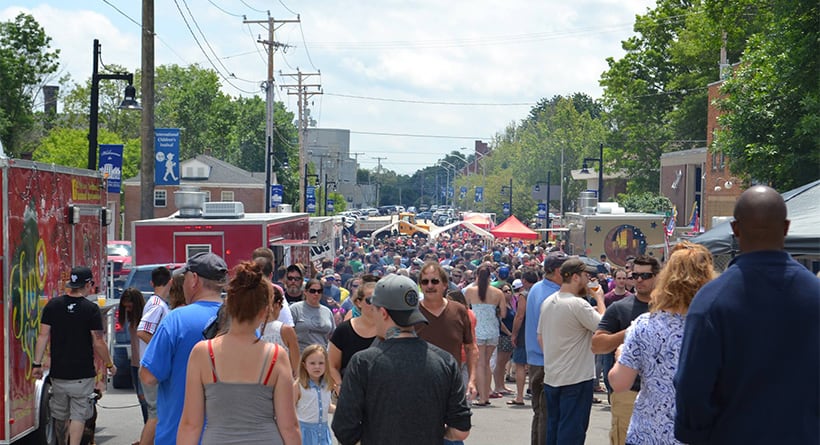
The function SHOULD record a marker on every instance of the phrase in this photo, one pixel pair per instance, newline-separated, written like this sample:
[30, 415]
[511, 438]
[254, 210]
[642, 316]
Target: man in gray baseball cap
[403, 390]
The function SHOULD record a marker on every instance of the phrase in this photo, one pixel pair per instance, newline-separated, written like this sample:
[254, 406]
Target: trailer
[231, 234]
[618, 235]
[53, 218]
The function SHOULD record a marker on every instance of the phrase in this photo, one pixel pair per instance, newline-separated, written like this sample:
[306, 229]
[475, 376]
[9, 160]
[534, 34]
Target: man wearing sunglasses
[294, 283]
[611, 332]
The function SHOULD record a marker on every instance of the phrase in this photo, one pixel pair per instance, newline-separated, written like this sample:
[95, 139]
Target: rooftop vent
[189, 201]
[216, 210]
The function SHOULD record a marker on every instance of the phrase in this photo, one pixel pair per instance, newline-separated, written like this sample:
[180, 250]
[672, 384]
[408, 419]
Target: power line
[286, 7]
[433, 102]
[191, 31]
[257, 10]
[305, 44]
[226, 12]
[143, 30]
[407, 135]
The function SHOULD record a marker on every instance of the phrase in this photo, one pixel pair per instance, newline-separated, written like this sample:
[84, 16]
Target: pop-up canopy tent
[513, 228]
[482, 220]
[803, 204]
[435, 233]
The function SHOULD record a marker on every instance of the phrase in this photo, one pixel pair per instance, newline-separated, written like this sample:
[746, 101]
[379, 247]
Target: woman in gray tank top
[243, 384]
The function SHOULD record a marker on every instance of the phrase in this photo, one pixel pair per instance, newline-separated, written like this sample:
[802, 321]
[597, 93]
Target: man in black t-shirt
[72, 327]
[611, 332]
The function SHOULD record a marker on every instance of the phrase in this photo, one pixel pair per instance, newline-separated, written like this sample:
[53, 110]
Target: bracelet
[36, 365]
[109, 366]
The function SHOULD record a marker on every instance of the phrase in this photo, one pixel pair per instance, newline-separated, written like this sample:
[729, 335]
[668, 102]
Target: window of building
[160, 198]
[207, 195]
[227, 196]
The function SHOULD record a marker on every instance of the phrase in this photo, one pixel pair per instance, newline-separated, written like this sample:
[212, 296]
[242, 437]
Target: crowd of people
[401, 338]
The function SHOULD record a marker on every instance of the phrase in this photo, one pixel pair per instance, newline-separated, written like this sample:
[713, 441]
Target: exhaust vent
[189, 201]
[218, 210]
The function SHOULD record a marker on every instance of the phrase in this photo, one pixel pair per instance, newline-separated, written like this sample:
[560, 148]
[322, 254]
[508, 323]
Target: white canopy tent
[435, 233]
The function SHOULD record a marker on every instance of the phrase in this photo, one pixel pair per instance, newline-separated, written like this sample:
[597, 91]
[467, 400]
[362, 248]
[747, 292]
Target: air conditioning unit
[218, 210]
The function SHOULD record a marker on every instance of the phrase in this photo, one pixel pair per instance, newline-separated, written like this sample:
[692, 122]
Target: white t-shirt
[565, 326]
[155, 310]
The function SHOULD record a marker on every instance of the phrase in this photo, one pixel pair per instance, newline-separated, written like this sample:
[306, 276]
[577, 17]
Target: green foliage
[772, 105]
[25, 61]
[646, 202]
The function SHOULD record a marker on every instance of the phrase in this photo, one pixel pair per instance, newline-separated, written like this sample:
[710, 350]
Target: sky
[412, 80]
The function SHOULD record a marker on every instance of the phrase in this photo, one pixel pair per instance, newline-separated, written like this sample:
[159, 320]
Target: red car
[120, 253]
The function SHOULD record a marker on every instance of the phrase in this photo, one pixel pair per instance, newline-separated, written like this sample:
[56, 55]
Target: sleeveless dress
[273, 333]
[486, 326]
[241, 413]
[312, 411]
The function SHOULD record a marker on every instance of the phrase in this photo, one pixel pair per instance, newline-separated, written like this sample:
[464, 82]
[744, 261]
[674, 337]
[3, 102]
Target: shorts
[519, 355]
[151, 393]
[505, 344]
[487, 341]
[72, 399]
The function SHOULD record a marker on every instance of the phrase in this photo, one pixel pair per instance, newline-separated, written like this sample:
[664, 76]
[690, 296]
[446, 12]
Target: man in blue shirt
[166, 359]
[749, 370]
[535, 357]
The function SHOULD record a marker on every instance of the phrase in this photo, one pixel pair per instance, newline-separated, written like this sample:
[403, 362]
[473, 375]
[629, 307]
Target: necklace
[395, 332]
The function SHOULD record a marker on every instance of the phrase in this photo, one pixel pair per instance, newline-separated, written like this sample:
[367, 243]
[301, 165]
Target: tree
[646, 202]
[25, 61]
[771, 124]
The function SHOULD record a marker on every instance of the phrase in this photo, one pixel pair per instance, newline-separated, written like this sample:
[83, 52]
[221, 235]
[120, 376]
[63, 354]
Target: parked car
[120, 254]
[139, 277]
[425, 215]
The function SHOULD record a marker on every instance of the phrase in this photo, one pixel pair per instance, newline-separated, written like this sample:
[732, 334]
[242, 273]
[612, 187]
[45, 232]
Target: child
[312, 393]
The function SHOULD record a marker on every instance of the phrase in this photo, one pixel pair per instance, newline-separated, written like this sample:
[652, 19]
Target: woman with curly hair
[653, 341]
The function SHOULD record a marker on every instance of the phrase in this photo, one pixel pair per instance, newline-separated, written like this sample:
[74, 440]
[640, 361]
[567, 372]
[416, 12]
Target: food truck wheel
[44, 435]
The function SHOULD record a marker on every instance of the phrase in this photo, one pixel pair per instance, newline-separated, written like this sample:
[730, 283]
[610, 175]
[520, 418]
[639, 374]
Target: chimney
[207, 152]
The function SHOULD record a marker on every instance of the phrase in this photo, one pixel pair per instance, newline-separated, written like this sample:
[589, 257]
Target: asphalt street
[119, 422]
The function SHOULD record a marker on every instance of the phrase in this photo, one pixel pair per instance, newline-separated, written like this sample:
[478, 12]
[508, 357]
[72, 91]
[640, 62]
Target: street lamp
[128, 103]
[478, 157]
[307, 176]
[600, 160]
[334, 189]
[447, 187]
[270, 174]
[549, 187]
[504, 189]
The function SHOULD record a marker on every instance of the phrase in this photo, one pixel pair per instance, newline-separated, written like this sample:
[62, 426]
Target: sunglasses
[642, 275]
[369, 300]
[314, 291]
[292, 278]
[425, 281]
[507, 291]
[354, 286]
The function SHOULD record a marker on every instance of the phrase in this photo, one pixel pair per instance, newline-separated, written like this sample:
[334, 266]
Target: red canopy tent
[513, 228]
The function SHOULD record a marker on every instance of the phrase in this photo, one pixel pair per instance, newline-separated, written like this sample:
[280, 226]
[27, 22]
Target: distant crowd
[401, 338]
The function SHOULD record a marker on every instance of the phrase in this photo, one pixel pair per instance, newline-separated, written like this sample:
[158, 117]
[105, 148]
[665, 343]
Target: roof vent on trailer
[218, 209]
[189, 200]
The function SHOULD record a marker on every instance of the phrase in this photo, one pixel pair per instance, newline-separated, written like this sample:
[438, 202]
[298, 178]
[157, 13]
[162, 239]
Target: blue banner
[449, 192]
[479, 194]
[506, 209]
[111, 165]
[310, 199]
[277, 191]
[462, 193]
[166, 155]
[330, 206]
[542, 210]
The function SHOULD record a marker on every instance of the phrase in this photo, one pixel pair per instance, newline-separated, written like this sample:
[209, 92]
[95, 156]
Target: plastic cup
[101, 300]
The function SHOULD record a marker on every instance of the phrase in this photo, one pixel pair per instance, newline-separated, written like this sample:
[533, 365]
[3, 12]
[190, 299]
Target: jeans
[608, 361]
[539, 408]
[568, 409]
[135, 380]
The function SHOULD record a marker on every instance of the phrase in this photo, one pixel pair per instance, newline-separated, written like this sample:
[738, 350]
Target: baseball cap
[328, 273]
[207, 265]
[80, 276]
[400, 296]
[517, 284]
[554, 260]
[575, 265]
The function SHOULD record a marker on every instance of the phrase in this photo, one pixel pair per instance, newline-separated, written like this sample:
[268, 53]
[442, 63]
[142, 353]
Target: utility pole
[147, 122]
[268, 87]
[303, 91]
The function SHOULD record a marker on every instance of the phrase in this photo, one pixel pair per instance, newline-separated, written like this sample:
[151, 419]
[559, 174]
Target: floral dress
[652, 347]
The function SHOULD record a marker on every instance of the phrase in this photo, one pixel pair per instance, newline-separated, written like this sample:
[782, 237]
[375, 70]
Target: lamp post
[447, 187]
[307, 176]
[334, 189]
[479, 157]
[270, 174]
[549, 188]
[128, 103]
[600, 160]
[509, 189]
